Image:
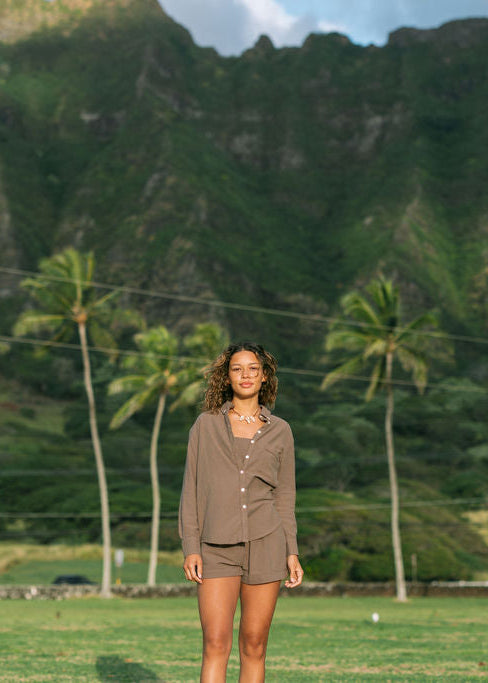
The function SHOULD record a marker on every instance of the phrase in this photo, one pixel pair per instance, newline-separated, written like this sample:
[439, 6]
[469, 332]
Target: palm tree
[67, 301]
[373, 331]
[157, 374]
[205, 343]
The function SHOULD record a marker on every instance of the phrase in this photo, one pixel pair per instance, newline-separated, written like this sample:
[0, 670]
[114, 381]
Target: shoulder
[281, 425]
[207, 419]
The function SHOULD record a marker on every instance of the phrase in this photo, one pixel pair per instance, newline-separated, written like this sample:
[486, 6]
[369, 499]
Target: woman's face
[245, 374]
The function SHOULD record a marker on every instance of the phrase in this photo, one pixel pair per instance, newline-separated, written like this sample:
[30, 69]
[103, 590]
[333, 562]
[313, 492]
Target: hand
[295, 570]
[193, 568]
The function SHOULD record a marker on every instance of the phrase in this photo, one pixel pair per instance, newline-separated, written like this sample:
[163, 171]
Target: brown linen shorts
[260, 561]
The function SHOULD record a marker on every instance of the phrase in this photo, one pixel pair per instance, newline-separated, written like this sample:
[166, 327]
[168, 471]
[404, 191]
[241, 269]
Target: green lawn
[25, 564]
[312, 639]
[38, 572]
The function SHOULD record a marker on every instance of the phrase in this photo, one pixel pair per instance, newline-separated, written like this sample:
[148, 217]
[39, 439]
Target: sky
[231, 26]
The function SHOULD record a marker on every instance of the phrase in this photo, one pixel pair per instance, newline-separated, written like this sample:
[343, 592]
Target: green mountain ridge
[279, 174]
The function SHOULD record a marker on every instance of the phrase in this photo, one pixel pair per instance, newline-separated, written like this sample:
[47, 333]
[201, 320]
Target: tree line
[371, 332]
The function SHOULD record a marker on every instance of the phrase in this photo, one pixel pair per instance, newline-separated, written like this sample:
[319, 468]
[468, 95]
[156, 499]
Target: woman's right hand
[193, 568]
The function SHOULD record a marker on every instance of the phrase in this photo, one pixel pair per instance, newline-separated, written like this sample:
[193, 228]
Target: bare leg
[257, 608]
[217, 600]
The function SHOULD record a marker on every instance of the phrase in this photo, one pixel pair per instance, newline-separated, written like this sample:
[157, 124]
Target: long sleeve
[285, 494]
[188, 526]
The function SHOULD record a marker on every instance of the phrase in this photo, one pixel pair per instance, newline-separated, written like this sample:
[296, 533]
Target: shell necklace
[246, 418]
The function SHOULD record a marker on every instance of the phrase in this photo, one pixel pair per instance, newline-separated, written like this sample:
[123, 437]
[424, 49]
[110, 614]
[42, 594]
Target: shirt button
[259, 431]
[252, 440]
[242, 471]
[243, 489]
[244, 506]
[247, 457]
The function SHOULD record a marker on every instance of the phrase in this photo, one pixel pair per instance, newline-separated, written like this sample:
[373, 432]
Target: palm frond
[207, 341]
[126, 384]
[377, 347]
[36, 321]
[48, 293]
[350, 339]
[190, 395]
[74, 267]
[62, 265]
[359, 309]
[100, 303]
[132, 405]
[415, 362]
[89, 266]
[422, 322]
[376, 377]
[343, 371]
[159, 345]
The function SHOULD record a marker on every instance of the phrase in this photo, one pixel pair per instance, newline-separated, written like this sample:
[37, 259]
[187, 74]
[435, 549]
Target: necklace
[246, 418]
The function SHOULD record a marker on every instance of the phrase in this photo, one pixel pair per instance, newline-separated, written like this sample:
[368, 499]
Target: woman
[237, 519]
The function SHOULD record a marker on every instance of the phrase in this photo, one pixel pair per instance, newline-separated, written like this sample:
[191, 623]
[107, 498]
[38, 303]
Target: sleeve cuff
[191, 546]
[291, 546]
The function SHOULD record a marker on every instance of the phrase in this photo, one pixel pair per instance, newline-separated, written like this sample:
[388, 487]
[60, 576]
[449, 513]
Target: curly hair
[219, 390]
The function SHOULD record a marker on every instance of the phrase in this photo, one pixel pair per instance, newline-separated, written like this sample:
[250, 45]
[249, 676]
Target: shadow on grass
[115, 669]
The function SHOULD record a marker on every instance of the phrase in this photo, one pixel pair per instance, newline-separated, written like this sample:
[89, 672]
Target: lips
[246, 385]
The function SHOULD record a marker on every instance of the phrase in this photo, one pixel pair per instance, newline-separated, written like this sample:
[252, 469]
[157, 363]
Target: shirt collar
[264, 414]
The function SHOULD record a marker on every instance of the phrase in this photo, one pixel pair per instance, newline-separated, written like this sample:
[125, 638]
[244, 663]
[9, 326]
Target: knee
[253, 645]
[216, 645]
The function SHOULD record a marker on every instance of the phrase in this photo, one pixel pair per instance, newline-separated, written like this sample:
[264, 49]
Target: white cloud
[268, 13]
[234, 25]
[370, 21]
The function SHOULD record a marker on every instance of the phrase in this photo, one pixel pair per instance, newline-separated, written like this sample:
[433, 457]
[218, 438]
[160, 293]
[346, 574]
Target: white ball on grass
[375, 617]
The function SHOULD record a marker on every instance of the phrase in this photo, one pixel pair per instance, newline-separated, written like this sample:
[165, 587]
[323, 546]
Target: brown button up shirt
[228, 500]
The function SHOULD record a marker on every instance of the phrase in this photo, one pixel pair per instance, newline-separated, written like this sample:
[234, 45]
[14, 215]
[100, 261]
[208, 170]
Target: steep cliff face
[280, 174]
[21, 18]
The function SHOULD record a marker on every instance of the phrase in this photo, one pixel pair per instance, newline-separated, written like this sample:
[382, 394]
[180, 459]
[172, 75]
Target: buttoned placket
[243, 486]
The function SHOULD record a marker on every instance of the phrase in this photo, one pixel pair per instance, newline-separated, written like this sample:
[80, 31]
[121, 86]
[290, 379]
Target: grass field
[37, 572]
[312, 639]
[37, 564]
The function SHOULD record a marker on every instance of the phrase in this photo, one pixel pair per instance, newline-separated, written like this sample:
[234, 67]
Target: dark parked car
[73, 579]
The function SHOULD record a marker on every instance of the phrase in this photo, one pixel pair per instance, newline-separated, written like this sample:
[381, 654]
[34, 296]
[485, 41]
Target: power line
[187, 359]
[82, 515]
[166, 469]
[32, 341]
[386, 506]
[167, 295]
[299, 510]
[311, 317]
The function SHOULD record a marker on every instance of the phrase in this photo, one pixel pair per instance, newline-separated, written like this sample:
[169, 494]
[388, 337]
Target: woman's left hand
[295, 570]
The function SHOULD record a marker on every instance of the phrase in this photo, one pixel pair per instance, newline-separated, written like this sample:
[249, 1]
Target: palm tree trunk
[153, 557]
[97, 448]
[401, 591]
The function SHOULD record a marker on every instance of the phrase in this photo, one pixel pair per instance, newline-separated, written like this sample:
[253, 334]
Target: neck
[246, 406]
